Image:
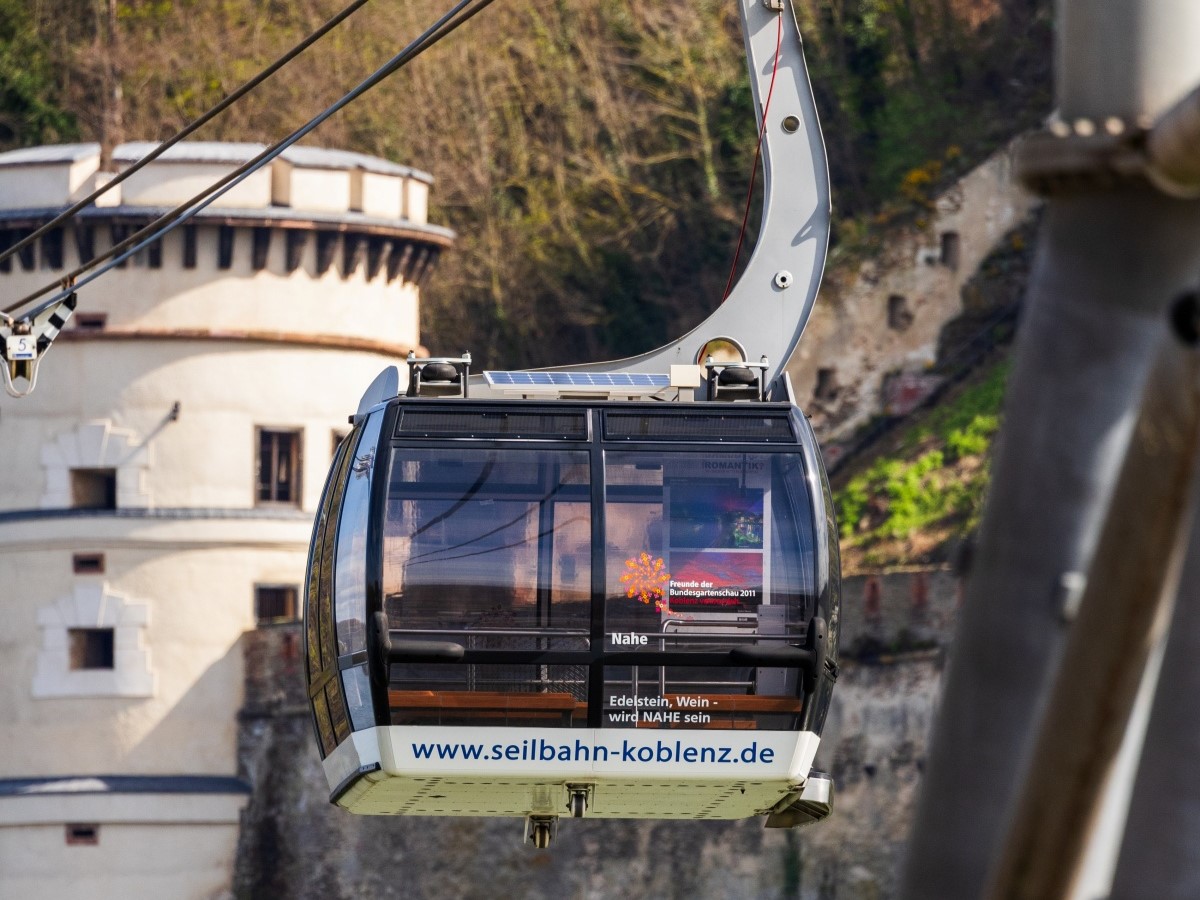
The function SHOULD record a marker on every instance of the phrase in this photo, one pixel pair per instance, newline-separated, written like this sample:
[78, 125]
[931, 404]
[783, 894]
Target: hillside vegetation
[593, 155]
[923, 494]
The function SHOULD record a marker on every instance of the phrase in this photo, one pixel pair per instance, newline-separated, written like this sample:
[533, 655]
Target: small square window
[275, 603]
[951, 250]
[91, 321]
[91, 648]
[83, 834]
[899, 316]
[87, 563]
[94, 488]
[827, 386]
[278, 466]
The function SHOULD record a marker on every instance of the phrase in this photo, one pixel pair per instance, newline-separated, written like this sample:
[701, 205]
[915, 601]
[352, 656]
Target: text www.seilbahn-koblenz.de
[539, 750]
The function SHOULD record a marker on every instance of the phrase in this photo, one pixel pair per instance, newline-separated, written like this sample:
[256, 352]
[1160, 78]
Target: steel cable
[188, 130]
[460, 13]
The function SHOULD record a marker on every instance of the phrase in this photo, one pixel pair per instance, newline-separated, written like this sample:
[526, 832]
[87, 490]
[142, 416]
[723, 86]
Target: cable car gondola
[616, 607]
[551, 593]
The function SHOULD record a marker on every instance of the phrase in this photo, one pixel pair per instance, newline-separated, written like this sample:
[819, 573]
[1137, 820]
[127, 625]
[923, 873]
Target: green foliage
[851, 502]
[974, 439]
[898, 82]
[593, 155]
[29, 103]
[975, 412]
[938, 474]
[914, 495]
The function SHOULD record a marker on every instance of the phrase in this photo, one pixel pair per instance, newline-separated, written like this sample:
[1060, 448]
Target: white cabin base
[628, 773]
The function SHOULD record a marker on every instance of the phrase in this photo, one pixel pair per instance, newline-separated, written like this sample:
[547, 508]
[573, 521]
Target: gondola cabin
[612, 595]
[609, 590]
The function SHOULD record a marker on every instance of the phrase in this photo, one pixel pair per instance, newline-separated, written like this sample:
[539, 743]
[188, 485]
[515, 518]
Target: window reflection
[702, 537]
[351, 563]
[704, 552]
[493, 539]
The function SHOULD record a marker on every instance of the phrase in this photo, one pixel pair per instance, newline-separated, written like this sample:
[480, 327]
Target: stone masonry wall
[887, 314]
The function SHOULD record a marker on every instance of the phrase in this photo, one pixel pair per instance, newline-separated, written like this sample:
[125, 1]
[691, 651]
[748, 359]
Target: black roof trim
[259, 512]
[122, 784]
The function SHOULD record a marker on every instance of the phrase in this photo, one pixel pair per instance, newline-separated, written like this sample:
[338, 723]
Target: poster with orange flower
[645, 579]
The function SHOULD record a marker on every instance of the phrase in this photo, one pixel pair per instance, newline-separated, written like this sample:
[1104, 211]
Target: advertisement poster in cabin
[716, 548]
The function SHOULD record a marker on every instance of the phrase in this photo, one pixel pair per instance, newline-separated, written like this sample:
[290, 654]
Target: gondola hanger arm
[24, 341]
[766, 311]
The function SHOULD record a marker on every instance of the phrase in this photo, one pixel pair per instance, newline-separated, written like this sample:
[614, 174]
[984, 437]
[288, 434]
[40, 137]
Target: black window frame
[263, 591]
[597, 658]
[295, 462]
[95, 648]
[93, 481]
[321, 668]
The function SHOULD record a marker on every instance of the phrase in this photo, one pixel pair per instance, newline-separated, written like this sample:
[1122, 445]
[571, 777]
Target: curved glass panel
[700, 619]
[337, 709]
[357, 687]
[830, 605]
[490, 551]
[350, 562]
[706, 552]
[328, 742]
[488, 539]
[312, 581]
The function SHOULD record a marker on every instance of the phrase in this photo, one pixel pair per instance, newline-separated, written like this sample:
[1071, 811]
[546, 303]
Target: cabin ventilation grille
[554, 425]
[751, 429]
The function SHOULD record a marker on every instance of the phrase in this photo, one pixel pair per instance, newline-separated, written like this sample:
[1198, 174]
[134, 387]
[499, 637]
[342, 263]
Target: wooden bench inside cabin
[487, 704]
[723, 708]
[732, 704]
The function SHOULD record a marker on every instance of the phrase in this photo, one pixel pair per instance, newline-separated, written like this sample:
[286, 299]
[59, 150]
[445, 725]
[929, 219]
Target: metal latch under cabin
[810, 804]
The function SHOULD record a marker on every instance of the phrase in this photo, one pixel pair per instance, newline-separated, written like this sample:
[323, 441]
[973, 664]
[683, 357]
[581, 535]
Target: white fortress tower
[157, 489]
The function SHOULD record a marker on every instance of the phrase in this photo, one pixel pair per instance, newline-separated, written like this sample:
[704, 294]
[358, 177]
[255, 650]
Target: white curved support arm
[769, 306]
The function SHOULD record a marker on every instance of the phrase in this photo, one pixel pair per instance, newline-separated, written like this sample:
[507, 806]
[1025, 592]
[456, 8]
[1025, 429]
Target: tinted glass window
[491, 539]
[705, 552]
[506, 423]
[278, 466]
[350, 566]
[357, 689]
[312, 600]
[705, 427]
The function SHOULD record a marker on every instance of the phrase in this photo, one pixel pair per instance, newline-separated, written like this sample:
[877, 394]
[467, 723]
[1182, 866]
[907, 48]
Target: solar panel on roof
[603, 381]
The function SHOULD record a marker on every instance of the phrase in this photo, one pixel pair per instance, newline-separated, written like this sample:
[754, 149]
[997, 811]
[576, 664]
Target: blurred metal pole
[1113, 252]
[1158, 858]
[1124, 611]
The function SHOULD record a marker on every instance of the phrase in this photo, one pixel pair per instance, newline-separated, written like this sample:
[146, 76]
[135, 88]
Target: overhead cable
[460, 13]
[188, 130]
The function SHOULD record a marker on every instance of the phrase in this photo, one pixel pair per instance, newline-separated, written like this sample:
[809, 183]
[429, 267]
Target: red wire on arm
[757, 153]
